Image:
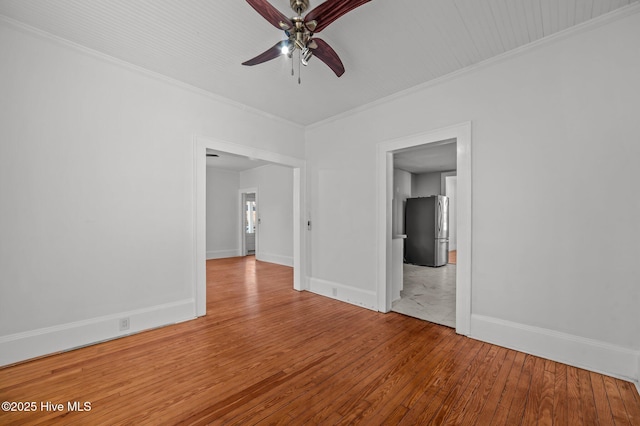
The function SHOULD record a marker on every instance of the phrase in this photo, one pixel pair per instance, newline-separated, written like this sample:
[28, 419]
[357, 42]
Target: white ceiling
[386, 46]
[227, 161]
[433, 157]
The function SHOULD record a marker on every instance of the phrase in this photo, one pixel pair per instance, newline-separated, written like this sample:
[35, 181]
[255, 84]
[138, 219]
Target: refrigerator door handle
[439, 217]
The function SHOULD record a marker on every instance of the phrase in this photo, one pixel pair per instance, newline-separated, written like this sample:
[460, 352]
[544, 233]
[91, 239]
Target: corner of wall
[222, 254]
[46, 341]
[275, 258]
[344, 293]
[637, 381]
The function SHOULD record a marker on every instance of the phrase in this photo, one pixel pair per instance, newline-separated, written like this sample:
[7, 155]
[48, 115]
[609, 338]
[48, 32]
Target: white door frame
[243, 236]
[384, 192]
[200, 145]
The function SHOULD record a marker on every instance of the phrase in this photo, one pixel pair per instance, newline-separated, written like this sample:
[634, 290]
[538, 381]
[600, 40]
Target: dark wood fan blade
[326, 54]
[270, 13]
[268, 55]
[331, 10]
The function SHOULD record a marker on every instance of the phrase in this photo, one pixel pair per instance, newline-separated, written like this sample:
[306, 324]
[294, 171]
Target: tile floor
[429, 294]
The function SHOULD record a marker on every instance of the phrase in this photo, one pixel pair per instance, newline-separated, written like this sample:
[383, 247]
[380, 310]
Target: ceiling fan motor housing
[300, 35]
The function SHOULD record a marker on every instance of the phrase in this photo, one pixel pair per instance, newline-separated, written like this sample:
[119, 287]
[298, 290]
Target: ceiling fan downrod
[299, 6]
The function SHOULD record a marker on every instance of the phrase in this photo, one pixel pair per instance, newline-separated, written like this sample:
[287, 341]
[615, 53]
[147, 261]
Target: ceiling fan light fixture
[305, 56]
[300, 31]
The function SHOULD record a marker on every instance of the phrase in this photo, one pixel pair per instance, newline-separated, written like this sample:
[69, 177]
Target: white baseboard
[45, 341]
[275, 258]
[221, 254]
[581, 352]
[344, 293]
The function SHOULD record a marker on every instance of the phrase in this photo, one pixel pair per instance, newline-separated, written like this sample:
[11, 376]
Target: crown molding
[591, 24]
[144, 71]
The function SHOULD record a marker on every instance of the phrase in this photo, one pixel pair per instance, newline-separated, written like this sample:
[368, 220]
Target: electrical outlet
[124, 324]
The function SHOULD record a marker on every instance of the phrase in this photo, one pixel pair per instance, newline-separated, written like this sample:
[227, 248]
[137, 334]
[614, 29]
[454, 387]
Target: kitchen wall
[223, 213]
[451, 191]
[426, 184]
[402, 184]
[96, 183]
[559, 119]
[275, 210]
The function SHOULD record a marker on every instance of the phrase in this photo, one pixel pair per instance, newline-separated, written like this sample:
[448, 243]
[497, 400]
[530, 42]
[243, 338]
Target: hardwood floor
[266, 354]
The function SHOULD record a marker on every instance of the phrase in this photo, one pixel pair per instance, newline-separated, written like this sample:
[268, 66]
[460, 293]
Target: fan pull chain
[292, 66]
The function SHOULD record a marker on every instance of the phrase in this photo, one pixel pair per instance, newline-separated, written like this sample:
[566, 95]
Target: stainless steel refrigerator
[426, 221]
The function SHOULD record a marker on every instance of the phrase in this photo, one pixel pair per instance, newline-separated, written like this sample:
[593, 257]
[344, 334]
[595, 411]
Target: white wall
[560, 121]
[426, 184]
[223, 213]
[96, 183]
[402, 183]
[451, 191]
[275, 210]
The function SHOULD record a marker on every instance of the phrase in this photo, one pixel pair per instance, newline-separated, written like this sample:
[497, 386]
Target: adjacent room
[426, 175]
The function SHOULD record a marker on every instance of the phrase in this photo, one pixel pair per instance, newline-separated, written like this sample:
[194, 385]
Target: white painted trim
[637, 381]
[590, 354]
[619, 13]
[45, 341]
[344, 293]
[300, 252]
[384, 177]
[222, 254]
[199, 202]
[144, 71]
[443, 176]
[201, 143]
[275, 258]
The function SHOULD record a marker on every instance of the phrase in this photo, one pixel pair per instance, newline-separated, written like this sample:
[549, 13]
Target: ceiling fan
[299, 31]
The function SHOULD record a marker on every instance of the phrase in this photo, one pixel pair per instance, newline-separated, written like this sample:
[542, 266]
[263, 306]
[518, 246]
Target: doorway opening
[299, 261]
[388, 264]
[424, 237]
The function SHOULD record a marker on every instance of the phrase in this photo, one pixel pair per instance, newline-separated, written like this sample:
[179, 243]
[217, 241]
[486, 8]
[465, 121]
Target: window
[250, 216]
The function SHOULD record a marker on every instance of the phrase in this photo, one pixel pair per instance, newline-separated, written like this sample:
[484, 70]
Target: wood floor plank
[360, 380]
[341, 374]
[390, 386]
[411, 387]
[538, 388]
[587, 401]
[490, 403]
[518, 404]
[467, 408]
[631, 400]
[506, 398]
[444, 390]
[603, 409]
[545, 408]
[560, 411]
[575, 400]
[618, 410]
[267, 354]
